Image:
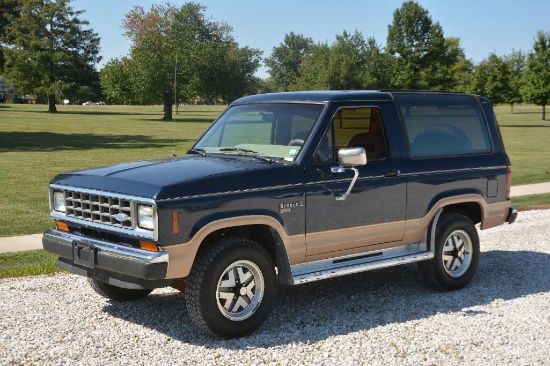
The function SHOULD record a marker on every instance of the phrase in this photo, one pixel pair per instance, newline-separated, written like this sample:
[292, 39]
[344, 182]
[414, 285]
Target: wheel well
[471, 210]
[261, 234]
[268, 238]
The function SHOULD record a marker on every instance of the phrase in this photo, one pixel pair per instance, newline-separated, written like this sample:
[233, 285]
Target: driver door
[372, 217]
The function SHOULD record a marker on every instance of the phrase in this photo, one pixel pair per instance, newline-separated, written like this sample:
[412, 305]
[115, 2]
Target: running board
[327, 268]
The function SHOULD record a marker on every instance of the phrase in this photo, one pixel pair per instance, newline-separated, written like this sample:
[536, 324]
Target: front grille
[100, 209]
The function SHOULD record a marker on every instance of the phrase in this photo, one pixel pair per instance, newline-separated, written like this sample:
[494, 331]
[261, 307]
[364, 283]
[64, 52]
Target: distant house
[5, 89]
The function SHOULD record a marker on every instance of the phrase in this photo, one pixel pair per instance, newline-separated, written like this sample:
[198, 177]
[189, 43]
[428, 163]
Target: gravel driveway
[381, 317]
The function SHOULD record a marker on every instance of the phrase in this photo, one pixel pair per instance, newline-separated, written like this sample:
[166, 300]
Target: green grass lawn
[35, 146]
[527, 140]
[27, 263]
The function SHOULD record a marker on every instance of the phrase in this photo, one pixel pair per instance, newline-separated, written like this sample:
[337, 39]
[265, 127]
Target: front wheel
[231, 288]
[117, 293]
[456, 253]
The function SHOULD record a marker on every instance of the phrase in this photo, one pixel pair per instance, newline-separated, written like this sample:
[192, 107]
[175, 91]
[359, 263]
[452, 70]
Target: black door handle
[391, 173]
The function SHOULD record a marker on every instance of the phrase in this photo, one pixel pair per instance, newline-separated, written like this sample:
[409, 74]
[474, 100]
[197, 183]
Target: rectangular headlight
[59, 201]
[145, 217]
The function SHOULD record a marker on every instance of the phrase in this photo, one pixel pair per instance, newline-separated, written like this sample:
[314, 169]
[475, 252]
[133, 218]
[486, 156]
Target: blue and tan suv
[288, 188]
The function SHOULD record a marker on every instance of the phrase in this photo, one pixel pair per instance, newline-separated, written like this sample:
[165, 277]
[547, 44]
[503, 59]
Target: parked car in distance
[289, 188]
[89, 103]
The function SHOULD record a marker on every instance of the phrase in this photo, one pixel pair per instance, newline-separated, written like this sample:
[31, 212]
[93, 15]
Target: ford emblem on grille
[121, 217]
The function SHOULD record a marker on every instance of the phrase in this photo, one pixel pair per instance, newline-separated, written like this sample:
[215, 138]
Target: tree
[347, 60]
[117, 81]
[492, 79]
[516, 64]
[10, 11]
[286, 59]
[177, 53]
[229, 73]
[313, 70]
[537, 74]
[379, 67]
[424, 57]
[51, 53]
[351, 62]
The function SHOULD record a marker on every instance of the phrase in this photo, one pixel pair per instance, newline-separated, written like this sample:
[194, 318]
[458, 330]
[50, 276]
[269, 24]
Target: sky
[483, 26]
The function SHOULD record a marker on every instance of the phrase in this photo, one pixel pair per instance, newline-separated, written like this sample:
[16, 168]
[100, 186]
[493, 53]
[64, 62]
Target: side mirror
[352, 157]
[349, 159]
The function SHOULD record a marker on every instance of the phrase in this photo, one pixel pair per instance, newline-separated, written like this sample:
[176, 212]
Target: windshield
[276, 130]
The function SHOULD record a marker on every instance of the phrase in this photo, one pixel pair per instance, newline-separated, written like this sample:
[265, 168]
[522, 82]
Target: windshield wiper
[240, 149]
[201, 152]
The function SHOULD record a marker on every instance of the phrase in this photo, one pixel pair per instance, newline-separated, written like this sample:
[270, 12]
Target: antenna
[176, 105]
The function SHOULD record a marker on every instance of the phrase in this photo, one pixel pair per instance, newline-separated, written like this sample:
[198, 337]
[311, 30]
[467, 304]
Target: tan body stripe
[334, 243]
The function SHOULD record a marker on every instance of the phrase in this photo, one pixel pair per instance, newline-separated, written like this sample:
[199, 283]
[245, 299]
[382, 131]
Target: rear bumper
[512, 215]
[113, 263]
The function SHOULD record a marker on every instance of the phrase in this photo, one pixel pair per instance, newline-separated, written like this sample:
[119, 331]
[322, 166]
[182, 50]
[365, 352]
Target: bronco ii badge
[287, 207]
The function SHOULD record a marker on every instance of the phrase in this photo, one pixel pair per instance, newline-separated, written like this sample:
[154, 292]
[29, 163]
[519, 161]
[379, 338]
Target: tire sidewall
[216, 321]
[449, 224]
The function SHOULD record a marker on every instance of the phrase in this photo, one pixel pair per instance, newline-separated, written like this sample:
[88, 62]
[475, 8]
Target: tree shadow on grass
[48, 141]
[90, 112]
[542, 125]
[319, 310]
[180, 119]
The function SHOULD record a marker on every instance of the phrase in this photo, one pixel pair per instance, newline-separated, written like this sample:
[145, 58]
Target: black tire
[231, 288]
[117, 293]
[456, 253]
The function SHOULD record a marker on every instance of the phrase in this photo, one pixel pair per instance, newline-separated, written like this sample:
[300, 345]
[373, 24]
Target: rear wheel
[117, 293]
[456, 253]
[231, 288]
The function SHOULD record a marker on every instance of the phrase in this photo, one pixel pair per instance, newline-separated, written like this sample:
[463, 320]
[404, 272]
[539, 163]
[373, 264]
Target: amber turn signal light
[60, 225]
[175, 223]
[147, 245]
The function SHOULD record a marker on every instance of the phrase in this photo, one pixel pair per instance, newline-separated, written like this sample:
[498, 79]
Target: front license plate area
[84, 254]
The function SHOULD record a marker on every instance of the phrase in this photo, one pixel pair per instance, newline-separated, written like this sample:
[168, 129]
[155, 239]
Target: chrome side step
[327, 268]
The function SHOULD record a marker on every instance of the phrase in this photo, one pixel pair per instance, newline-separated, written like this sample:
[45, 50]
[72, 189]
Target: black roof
[325, 96]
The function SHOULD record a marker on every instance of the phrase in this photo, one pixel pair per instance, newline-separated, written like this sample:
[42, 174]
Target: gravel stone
[384, 317]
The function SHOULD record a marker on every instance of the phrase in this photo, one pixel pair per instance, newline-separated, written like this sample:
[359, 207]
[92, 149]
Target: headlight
[145, 217]
[59, 201]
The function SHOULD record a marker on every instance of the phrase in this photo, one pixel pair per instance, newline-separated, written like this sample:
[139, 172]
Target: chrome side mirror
[349, 159]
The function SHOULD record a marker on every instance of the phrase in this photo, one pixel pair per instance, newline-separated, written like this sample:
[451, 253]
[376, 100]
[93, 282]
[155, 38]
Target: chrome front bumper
[113, 263]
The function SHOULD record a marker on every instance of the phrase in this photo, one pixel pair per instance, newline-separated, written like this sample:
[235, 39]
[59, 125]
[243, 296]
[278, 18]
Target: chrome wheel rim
[457, 253]
[240, 290]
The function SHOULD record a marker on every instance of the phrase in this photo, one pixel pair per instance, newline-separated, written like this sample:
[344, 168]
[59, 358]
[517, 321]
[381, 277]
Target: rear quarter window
[444, 124]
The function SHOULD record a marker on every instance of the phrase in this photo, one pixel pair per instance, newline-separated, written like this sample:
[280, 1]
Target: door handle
[388, 173]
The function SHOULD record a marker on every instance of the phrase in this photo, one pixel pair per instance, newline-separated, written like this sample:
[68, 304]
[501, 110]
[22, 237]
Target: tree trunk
[51, 104]
[167, 110]
[544, 112]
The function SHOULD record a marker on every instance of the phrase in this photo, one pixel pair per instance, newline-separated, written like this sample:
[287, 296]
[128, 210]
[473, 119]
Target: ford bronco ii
[288, 188]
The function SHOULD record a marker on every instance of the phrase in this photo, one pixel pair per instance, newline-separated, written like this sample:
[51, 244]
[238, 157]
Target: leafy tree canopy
[286, 59]
[536, 88]
[178, 53]
[50, 51]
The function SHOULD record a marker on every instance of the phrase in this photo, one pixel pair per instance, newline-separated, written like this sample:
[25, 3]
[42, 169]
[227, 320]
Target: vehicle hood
[185, 176]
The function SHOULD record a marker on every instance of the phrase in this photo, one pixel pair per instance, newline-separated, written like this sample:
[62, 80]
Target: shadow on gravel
[316, 311]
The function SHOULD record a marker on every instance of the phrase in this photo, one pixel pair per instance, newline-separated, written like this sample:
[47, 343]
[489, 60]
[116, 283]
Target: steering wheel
[296, 142]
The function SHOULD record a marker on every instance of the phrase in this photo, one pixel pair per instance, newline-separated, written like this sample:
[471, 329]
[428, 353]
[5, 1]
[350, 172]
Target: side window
[443, 125]
[354, 127]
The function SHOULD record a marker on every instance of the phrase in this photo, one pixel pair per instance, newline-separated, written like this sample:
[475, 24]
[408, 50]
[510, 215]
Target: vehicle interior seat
[372, 141]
